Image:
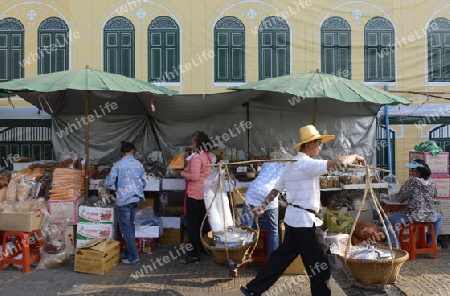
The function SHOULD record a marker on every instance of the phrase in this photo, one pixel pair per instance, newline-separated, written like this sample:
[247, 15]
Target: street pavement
[425, 276]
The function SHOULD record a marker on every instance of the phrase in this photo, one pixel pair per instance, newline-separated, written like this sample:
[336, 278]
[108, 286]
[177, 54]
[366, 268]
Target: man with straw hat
[303, 234]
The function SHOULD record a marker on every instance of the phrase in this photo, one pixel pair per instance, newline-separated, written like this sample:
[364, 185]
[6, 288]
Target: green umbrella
[62, 92]
[316, 85]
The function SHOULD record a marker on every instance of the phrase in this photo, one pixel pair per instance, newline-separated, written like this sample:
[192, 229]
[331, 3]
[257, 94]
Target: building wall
[197, 18]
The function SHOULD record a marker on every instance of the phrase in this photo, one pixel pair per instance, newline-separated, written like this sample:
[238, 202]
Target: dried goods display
[67, 184]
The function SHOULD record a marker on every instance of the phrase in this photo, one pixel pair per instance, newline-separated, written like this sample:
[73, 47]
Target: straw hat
[309, 133]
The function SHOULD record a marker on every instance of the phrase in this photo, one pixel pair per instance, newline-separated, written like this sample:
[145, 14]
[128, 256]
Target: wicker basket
[374, 272]
[237, 254]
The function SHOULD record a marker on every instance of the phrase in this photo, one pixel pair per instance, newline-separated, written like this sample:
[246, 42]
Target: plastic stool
[417, 239]
[23, 245]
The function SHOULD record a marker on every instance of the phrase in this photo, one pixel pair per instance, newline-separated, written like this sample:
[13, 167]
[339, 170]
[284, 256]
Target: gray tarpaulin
[273, 119]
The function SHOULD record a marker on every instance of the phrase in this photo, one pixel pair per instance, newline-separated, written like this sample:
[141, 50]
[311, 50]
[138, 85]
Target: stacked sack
[67, 184]
[367, 234]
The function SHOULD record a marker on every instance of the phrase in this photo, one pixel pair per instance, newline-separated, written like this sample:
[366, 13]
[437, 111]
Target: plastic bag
[67, 159]
[24, 188]
[216, 203]
[53, 260]
[3, 193]
[393, 186]
[338, 222]
[368, 230]
[54, 241]
[11, 191]
[146, 217]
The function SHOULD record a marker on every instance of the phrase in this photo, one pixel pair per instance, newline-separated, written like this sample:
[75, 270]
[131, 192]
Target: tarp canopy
[419, 115]
[273, 119]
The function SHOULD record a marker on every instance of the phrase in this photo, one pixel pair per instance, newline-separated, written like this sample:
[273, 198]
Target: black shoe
[189, 259]
[247, 292]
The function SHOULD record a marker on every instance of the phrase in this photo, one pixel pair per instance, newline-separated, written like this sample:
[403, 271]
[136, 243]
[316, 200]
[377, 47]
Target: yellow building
[200, 46]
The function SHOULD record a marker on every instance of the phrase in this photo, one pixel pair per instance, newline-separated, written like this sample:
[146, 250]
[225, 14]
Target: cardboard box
[240, 184]
[88, 231]
[25, 222]
[173, 210]
[144, 245]
[69, 238]
[172, 236]
[148, 231]
[443, 185]
[65, 210]
[237, 199]
[438, 164]
[93, 184]
[171, 222]
[442, 206]
[96, 215]
[296, 266]
[97, 257]
[173, 184]
[148, 202]
[18, 166]
[152, 185]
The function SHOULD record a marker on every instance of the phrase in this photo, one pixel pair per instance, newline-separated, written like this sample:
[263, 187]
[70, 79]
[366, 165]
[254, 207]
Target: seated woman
[420, 193]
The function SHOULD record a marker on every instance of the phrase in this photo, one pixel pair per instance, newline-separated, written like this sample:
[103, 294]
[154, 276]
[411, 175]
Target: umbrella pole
[86, 147]
[314, 112]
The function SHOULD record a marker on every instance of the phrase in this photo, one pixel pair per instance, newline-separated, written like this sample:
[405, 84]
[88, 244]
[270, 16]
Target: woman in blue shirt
[128, 177]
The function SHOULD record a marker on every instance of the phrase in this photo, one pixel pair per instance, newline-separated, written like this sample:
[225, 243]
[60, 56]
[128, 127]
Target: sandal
[189, 259]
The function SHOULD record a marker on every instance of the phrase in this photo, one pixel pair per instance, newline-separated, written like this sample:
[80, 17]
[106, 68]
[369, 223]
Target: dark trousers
[195, 213]
[310, 244]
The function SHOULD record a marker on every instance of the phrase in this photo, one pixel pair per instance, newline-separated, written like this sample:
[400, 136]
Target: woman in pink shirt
[195, 174]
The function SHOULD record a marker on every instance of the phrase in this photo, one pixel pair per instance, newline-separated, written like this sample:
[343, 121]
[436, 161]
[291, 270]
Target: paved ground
[420, 277]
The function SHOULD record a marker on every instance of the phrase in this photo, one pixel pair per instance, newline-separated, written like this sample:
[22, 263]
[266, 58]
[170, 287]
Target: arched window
[274, 48]
[379, 54]
[336, 47]
[119, 47]
[439, 50]
[163, 50]
[53, 46]
[11, 49]
[229, 48]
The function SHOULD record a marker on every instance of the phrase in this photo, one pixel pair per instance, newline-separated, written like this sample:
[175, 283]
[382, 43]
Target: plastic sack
[24, 188]
[338, 243]
[393, 186]
[217, 205]
[146, 217]
[3, 193]
[368, 230]
[54, 240]
[338, 222]
[11, 191]
[49, 261]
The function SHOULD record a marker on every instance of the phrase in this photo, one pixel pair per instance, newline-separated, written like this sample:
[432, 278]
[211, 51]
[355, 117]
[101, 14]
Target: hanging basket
[379, 271]
[240, 254]
[375, 272]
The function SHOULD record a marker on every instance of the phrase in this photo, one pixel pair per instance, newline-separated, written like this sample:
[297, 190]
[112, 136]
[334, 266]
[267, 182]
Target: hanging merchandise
[216, 200]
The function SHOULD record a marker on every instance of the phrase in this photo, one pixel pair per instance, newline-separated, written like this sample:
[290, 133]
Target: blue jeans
[269, 221]
[126, 215]
[398, 219]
